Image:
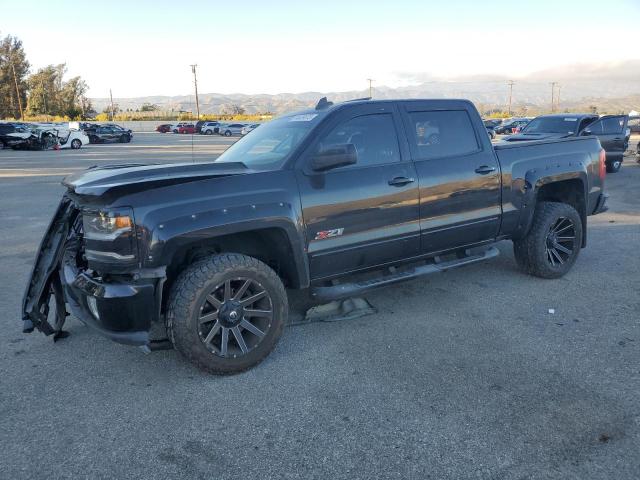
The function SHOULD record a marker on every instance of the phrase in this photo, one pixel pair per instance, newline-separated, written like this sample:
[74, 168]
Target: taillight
[602, 168]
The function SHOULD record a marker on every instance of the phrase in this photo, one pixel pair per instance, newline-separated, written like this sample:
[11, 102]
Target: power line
[558, 99]
[510, 83]
[111, 98]
[15, 79]
[370, 80]
[195, 83]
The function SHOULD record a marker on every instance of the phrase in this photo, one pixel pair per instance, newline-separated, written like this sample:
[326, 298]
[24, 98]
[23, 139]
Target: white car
[45, 136]
[209, 128]
[249, 128]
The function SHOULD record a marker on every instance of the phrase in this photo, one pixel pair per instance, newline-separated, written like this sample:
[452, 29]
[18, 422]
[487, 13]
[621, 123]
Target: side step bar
[344, 290]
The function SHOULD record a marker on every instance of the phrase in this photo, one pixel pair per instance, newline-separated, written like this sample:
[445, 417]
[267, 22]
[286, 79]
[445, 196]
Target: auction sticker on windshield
[306, 117]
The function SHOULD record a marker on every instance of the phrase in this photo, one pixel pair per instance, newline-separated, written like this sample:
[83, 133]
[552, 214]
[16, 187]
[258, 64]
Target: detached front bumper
[120, 310]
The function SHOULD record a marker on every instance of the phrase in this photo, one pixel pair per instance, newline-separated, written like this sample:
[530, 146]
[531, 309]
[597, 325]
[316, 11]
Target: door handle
[484, 169]
[400, 181]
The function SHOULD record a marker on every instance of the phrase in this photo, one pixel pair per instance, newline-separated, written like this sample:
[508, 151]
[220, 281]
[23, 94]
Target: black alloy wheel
[234, 317]
[560, 241]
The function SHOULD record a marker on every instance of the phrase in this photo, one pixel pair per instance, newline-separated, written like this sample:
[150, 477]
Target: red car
[164, 128]
[187, 129]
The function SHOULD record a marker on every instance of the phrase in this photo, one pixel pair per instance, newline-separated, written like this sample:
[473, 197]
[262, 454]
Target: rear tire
[208, 132]
[212, 321]
[227, 133]
[553, 243]
[76, 144]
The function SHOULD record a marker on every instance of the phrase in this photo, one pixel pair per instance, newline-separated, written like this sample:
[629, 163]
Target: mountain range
[610, 87]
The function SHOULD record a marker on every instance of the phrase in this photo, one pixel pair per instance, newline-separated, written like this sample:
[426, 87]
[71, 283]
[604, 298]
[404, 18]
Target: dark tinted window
[442, 133]
[567, 125]
[374, 137]
[607, 126]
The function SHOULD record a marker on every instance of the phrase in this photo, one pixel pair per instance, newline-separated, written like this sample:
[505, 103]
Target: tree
[149, 107]
[49, 94]
[233, 109]
[14, 68]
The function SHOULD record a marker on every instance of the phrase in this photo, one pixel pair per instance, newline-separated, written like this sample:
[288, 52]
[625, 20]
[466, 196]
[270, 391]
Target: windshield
[267, 147]
[567, 125]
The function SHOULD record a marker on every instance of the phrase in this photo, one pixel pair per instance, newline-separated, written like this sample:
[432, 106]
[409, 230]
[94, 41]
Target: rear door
[366, 214]
[611, 131]
[459, 176]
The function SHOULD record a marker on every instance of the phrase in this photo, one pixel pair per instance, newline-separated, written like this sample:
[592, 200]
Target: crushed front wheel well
[269, 245]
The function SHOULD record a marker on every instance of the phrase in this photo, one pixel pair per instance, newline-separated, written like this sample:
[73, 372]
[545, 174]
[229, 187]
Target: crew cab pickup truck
[611, 130]
[336, 200]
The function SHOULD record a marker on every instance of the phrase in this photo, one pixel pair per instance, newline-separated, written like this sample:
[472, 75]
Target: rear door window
[607, 126]
[442, 133]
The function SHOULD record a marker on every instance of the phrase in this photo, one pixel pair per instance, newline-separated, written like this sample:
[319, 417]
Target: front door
[366, 214]
[459, 176]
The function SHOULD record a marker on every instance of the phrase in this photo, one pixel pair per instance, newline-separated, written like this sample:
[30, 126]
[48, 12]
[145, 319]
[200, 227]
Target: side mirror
[585, 132]
[335, 156]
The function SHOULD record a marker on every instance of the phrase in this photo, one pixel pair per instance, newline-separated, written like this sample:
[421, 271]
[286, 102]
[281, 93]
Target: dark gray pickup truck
[336, 200]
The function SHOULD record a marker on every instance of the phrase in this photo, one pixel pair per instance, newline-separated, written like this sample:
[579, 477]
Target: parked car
[312, 200]
[249, 128]
[176, 126]
[209, 128]
[45, 136]
[634, 124]
[189, 128]
[509, 126]
[12, 133]
[116, 127]
[611, 130]
[492, 122]
[164, 128]
[199, 125]
[231, 129]
[105, 134]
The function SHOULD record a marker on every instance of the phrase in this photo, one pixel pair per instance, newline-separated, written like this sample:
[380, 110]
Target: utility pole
[15, 79]
[111, 97]
[510, 83]
[195, 83]
[370, 80]
[558, 99]
[553, 88]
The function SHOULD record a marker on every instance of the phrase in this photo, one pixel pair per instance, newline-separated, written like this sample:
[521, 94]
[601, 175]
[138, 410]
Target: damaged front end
[87, 262]
[45, 281]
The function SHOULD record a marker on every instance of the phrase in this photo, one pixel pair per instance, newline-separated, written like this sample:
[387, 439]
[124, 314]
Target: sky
[143, 48]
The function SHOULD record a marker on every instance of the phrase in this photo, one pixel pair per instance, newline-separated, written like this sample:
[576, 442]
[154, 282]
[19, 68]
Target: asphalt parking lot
[462, 375]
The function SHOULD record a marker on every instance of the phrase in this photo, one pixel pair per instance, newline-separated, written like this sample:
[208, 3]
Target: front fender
[199, 224]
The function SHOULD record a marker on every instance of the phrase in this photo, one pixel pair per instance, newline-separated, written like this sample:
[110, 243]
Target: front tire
[226, 313]
[76, 144]
[553, 243]
[227, 133]
[208, 132]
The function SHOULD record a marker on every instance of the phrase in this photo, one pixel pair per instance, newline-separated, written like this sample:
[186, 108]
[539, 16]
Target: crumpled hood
[520, 137]
[98, 180]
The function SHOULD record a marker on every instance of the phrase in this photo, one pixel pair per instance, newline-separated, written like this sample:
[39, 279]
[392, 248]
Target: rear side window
[607, 126]
[441, 134]
[374, 137]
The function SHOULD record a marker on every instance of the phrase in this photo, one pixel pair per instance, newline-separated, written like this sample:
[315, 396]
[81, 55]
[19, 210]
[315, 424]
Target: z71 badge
[336, 232]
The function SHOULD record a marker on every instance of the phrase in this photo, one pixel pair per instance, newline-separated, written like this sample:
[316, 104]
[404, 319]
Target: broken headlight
[109, 235]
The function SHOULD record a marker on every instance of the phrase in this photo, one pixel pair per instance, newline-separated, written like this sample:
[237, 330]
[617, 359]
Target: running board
[344, 290]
